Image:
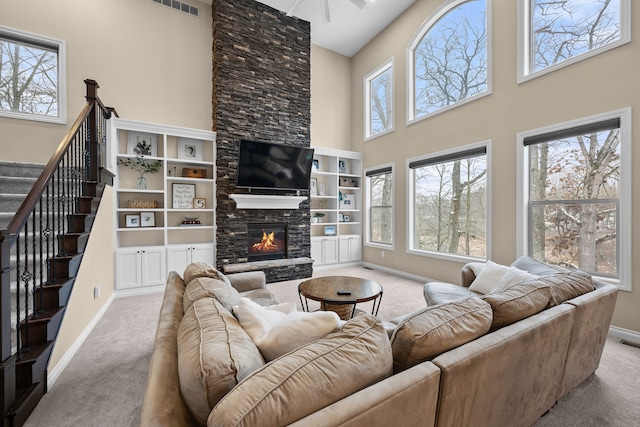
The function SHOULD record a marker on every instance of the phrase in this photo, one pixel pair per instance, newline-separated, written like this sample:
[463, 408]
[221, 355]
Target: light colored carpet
[104, 383]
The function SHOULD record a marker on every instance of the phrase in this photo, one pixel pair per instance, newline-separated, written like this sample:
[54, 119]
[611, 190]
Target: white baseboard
[125, 293]
[625, 334]
[397, 272]
[53, 375]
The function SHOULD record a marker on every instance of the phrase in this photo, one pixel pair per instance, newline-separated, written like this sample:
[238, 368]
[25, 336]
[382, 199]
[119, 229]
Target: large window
[379, 101]
[379, 202]
[449, 58]
[576, 212]
[448, 203]
[561, 32]
[31, 77]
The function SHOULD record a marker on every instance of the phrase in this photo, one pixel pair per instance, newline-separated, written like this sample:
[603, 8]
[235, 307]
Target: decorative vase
[142, 183]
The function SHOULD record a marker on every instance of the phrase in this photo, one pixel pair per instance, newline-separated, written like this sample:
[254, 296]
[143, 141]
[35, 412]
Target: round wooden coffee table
[340, 294]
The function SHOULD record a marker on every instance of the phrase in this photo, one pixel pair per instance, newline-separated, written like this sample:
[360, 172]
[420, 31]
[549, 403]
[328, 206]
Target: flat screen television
[266, 165]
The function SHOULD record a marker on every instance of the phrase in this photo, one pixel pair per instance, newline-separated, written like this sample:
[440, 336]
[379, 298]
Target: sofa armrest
[248, 281]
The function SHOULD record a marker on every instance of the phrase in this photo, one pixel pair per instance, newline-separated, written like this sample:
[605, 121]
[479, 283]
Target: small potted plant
[317, 217]
[142, 166]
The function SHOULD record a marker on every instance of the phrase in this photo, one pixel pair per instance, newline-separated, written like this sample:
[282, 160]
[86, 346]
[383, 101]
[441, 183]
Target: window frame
[487, 144]
[387, 65]
[524, 42]
[50, 43]
[367, 240]
[625, 197]
[415, 40]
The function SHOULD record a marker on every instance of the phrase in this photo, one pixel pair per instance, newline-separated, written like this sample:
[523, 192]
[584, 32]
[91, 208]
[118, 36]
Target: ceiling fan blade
[293, 7]
[360, 3]
[326, 16]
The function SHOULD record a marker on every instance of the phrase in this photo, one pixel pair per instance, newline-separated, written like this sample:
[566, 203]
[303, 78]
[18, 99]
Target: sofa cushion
[214, 354]
[277, 332]
[513, 276]
[309, 378]
[202, 269]
[437, 293]
[206, 287]
[434, 330]
[536, 267]
[489, 277]
[517, 302]
[565, 286]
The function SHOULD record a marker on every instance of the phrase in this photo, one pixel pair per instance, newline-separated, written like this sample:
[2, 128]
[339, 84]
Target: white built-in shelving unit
[152, 240]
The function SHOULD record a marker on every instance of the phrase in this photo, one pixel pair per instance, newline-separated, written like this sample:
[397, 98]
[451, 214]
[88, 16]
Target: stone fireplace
[262, 92]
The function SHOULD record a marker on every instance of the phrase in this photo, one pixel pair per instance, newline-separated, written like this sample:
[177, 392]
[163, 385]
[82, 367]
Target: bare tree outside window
[450, 206]
[381, 208]
[451, 59]
[574, 195]
[381, 102]
[28, 78]
[563, 29]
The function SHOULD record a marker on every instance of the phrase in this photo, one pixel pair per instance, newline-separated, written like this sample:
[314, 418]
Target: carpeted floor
[104, 383]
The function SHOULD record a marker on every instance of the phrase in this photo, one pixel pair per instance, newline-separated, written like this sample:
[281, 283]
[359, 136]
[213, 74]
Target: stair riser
[13, 185]
[30, 373]
[43, 331]
[59, 268]
[53, 296]
[29, 170]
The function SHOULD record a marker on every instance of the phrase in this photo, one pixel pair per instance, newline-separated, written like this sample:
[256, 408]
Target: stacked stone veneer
[261, 91]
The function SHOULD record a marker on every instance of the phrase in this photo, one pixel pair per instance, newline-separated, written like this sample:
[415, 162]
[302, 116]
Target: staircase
[46, 214]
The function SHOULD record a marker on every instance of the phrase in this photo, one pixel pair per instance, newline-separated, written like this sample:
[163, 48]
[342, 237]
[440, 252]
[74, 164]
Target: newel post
[93, 147]
[8, 361]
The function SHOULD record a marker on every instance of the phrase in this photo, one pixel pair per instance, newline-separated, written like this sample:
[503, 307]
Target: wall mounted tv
[265, 165]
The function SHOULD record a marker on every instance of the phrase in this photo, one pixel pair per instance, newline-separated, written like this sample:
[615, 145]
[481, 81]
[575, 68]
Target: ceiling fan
[324, 7]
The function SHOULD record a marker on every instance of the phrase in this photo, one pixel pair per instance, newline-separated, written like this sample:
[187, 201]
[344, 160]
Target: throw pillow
[206, 287]
[565, 286]
[489, 277]
[309, 378]
[433, 330]
[202, 269]
[513, 277]
[214, 354]
[276, 331]
[517, 302]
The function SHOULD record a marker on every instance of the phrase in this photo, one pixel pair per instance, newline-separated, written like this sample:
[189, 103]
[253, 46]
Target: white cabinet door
[180, 256]
[153, 266]
[129, 268]
[324, 250]
[330, 250]
[350, 248]
[140, 267]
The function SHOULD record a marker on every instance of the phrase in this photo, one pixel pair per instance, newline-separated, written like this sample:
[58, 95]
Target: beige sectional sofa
[467, 360]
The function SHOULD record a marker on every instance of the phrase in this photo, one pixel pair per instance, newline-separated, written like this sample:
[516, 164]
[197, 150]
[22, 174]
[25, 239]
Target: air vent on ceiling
[175, 4]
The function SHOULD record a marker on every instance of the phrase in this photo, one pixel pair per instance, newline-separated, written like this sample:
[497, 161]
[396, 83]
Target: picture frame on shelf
[142, 144]
[147, 219]
[330, 230]
[183, 195]
[342, 166]
[322, 189]
[199, 203]
[132, 220]
[189, 149]
[348, 201]
[315, 165]
[347, 218]
[341, 217]
[313, 187]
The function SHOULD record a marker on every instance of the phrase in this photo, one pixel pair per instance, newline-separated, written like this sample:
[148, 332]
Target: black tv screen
[274, 166]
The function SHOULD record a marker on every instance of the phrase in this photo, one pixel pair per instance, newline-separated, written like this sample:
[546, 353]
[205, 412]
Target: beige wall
[96, 270]
[600, 84]
[330, 99]
[152, 63]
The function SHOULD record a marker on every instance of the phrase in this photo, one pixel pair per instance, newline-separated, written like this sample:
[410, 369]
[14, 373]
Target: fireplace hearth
[266, 241]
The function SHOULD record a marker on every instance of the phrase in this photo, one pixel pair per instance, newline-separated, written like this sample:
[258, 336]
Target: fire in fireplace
[266, 241]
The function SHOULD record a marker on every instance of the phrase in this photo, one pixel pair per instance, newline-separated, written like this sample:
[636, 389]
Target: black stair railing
[34, 254]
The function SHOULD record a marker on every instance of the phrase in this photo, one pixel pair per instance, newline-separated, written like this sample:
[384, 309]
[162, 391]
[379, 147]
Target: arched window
[449, 58]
